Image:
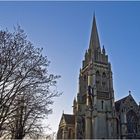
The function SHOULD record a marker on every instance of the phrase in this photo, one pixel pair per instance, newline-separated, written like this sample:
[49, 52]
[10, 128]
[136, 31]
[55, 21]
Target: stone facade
[96, 115]
[67, 127]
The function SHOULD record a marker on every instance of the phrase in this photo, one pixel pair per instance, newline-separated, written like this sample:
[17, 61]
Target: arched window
[132, 121]
[102, 104]
[103, 75]
[97, 78]
[97, 73]
[104, 80]
[103, 84]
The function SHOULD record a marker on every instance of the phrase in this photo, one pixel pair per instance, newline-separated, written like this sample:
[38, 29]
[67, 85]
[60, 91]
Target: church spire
[94, 39]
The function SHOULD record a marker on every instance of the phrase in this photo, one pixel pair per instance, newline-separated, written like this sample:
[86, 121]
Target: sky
[63, 30]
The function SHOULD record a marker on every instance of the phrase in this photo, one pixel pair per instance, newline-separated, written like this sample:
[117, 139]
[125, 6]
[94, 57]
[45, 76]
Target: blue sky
[63, 30]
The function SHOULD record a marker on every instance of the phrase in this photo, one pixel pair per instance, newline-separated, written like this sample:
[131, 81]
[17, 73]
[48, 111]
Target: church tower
[95, 114]
[95, 111]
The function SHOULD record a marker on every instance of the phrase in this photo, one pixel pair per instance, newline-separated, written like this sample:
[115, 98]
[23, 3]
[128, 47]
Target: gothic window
[97, 84]
[103, 84]
[104, 75]
[102, 104]
[97, 79]
[104, 81]
[132, 121]
[97, 73]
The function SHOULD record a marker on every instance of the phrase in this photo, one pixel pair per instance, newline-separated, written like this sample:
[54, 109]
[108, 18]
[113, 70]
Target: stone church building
[96, 114]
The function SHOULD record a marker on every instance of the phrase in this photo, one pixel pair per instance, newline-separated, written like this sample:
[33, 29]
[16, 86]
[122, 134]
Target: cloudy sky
[63, 30]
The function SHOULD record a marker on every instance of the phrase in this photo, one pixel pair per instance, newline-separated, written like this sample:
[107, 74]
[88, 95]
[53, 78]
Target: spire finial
[94, 14]
[94, 17]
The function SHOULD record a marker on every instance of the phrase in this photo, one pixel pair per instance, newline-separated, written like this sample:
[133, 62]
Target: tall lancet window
[102, 102]
[104, 81]
[97, 79]
[132, 122]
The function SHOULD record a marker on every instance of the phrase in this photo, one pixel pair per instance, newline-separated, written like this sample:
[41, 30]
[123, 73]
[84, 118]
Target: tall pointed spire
[94, 39]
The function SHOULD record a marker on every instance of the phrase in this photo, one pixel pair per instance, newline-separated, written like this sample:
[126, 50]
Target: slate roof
[118, 103]
[70, 119]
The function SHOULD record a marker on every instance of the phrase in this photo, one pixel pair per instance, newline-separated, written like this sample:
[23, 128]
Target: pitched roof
[70, 119]
[118, 103]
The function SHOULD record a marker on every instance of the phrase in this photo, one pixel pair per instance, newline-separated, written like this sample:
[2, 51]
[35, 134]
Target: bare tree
[26, 87]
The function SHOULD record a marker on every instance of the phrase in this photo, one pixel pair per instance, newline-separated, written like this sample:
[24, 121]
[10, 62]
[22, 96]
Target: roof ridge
[122, 99]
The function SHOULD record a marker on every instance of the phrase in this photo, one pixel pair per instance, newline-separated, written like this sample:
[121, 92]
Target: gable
[62, 121]
[130, 104]
[67, 119]
[118, 104]
[127, 103]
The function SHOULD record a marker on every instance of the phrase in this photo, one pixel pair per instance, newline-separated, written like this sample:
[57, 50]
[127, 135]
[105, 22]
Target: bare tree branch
[26, 87]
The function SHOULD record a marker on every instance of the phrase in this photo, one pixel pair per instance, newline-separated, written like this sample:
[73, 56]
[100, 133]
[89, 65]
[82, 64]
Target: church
[96, 114]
